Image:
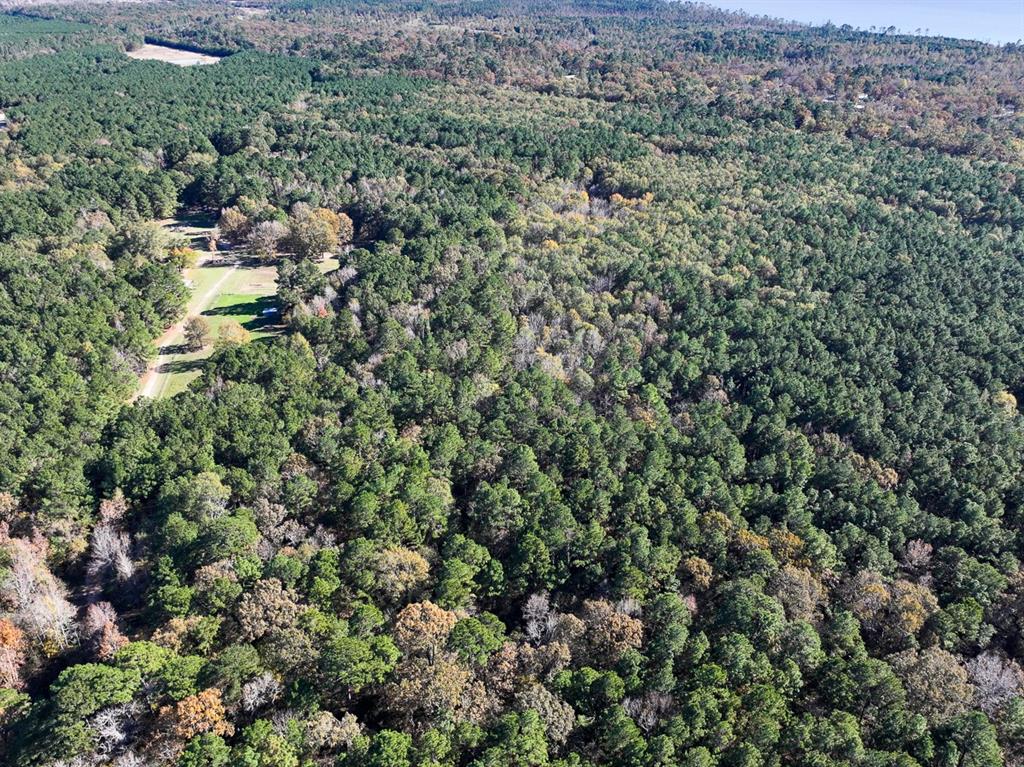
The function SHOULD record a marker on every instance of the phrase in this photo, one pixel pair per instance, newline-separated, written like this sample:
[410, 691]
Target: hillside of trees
[663, 408]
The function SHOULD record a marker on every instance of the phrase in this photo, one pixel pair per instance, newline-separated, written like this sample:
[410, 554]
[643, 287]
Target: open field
[222, 291]
[175, 56]
[196, 228]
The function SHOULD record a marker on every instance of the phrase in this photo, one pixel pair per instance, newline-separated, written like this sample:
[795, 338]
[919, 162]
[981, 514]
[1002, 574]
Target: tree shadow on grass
[174, 349]
[181, 366]
[258, 320]
[197, 220]
[267, 324]
[247, 307]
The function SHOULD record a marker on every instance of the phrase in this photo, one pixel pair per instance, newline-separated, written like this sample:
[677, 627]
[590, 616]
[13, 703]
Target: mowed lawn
[242, 294]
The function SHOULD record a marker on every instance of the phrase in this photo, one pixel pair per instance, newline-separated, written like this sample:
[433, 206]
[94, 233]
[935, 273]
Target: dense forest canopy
[662, 408]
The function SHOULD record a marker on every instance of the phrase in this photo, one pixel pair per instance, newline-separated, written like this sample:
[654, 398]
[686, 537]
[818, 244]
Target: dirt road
[199, 303]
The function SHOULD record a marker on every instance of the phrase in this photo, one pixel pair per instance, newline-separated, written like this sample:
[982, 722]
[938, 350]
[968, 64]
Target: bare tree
[539, 618]
[917, 556]
[648, 710]
[109, 554]
[997, 680]
[259, 691]
[36, 598]
[99, 625]
[264, 238]
[113, 726]
[129, 759]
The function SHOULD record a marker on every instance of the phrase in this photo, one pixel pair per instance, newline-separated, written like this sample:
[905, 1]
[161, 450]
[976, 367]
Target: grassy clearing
[242, 294]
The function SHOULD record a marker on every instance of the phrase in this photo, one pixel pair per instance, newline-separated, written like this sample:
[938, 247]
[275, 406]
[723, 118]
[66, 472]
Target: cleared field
[175, 56]
[221, 293]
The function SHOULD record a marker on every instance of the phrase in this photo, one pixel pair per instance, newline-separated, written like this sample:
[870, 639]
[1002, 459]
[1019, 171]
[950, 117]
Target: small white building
[3, 119]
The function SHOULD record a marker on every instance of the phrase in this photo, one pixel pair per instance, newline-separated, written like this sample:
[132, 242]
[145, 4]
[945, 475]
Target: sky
[995, 21]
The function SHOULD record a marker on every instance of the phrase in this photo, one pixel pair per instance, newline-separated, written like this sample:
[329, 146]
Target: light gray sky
[996, 21]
